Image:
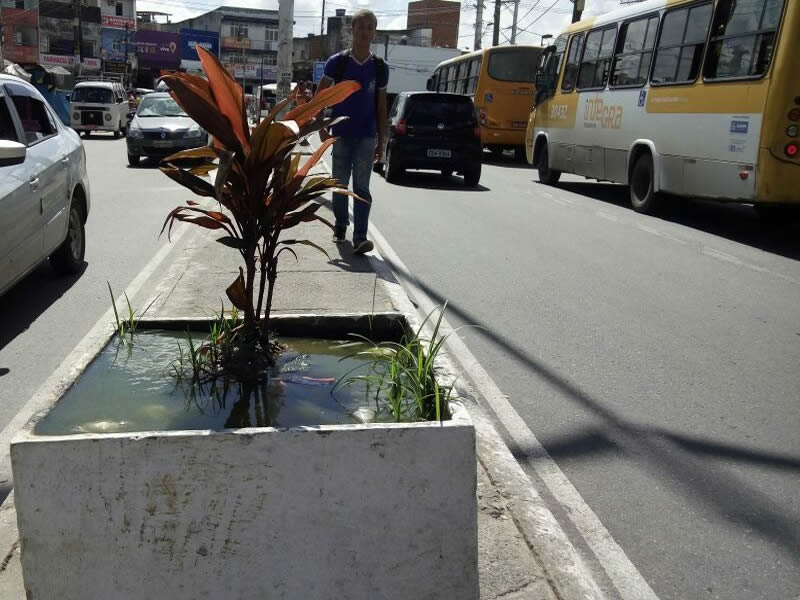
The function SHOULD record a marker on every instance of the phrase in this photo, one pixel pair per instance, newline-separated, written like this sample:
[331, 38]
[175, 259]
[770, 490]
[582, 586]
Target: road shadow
[431, 180]
[506, 160]
[732, 221]
[691, 464]
[29, 298]
[102, 137]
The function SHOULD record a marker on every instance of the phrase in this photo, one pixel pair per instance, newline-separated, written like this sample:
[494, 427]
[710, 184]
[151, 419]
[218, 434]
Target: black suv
[438, 131]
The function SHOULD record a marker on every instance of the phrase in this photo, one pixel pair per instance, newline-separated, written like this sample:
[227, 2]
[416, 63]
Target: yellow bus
[500, 80]
[692, 98]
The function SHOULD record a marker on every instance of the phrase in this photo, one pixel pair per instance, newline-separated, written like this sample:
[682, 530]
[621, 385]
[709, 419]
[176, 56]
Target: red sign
[115, 22]
[59, 60]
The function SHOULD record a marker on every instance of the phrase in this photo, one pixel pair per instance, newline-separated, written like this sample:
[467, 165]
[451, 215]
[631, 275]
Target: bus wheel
[643, 198]
[547, 175]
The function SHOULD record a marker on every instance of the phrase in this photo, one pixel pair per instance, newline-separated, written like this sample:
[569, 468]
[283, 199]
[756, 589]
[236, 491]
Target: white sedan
[44, 188]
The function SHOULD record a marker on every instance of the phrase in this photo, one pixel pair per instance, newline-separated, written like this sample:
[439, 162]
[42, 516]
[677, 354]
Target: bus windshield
[514, 64]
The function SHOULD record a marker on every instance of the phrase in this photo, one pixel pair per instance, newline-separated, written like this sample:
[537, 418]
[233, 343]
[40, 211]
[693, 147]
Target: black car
[429, 130]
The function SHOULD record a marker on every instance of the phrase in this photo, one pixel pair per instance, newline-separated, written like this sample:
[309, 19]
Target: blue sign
[739, 126]
[319, 71]
[113, 46]
[191, 38]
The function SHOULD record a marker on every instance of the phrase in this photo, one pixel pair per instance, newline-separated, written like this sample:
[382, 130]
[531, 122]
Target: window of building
[742, 38]
[119, 9]
[596, 62]
[33, 115]
[573, 57]
[680, 46]
[271, 35]
[239, 30]
[634, 52]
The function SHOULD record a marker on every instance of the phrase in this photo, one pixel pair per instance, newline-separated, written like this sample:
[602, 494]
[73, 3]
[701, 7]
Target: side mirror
[429, 84]
[12, 153]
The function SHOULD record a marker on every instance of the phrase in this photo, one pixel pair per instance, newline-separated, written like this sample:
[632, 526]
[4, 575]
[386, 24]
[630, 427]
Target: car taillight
[402, 127]
[792, 150]
[483, 116]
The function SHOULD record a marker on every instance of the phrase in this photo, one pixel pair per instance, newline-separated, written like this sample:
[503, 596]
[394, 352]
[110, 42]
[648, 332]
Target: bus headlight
[791, 130]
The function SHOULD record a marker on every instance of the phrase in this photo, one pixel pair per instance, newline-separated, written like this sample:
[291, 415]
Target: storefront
[118, 46]
[190, 40]
[157, 52]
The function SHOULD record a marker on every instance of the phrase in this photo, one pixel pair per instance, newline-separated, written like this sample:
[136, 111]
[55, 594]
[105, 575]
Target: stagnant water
[129, 387]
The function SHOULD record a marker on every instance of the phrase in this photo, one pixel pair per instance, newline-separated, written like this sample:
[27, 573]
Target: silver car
[44, 188]
[161, 128]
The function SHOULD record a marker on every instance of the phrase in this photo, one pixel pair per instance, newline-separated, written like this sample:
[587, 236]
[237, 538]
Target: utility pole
[77, 51]
[514, 24]
[386, 47]
[478, 25]
[322, 21]
[496, 34]
[285, 33]
[577, 9]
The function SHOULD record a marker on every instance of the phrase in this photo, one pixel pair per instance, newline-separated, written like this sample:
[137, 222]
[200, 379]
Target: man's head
[364, 25]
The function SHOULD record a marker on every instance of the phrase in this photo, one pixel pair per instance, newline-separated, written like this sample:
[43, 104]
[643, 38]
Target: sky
[536, 17]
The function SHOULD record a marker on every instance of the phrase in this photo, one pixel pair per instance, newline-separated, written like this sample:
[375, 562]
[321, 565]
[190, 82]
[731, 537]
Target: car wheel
[472, 175]
[447, 172]
[390, 169]
[133, 159]
[117, 131]
[547, 175]
[68, 258]
[643, 198]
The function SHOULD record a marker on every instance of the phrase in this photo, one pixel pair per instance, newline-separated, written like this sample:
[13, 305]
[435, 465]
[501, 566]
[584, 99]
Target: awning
[15, 69]
[56, 70]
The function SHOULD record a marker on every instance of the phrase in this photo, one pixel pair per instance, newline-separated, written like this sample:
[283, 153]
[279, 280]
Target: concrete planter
[371, 511]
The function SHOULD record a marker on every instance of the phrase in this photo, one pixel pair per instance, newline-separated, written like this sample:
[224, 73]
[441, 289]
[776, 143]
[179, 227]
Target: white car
[44, 188]
[99, 106]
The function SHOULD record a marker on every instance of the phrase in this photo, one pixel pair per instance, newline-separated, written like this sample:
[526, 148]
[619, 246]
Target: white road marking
[561, 202]
[647, 229]
[608, 217]
[623, 574]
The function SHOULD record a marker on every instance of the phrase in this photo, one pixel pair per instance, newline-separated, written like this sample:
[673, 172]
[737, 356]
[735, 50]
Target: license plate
[439, 154]
[162, 143]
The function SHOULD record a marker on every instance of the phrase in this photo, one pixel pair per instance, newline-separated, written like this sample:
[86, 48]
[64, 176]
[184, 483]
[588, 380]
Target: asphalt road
[656, 359]
[45, 316]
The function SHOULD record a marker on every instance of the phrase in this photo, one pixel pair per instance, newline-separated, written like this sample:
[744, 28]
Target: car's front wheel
[472, 175]
[68, 258]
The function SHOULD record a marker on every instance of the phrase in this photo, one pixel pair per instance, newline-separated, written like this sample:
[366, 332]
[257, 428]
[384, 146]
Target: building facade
[57, 44]
[248, 41]
[441, 16]
[118, 38]
[21, 39]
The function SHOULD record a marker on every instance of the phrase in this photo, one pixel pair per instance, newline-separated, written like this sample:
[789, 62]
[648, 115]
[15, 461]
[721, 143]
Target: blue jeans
[356, 156]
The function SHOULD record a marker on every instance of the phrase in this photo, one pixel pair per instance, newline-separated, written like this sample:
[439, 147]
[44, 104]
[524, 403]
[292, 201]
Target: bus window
[453, 78]
[742, 38]
[574, 55]
[474, 69]
[596, 61]
[680, 47]
[634, 52]
[513, 64]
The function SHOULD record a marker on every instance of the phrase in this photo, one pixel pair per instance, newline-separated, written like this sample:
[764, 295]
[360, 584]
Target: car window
[36, 123]
[7, 129]
[93, 95]
[162, 106]
[432, 110]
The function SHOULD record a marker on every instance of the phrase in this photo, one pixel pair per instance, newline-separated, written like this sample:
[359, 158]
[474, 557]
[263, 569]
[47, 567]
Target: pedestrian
[356, 148]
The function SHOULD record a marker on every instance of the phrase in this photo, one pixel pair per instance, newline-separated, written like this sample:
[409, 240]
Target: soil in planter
[129, 388]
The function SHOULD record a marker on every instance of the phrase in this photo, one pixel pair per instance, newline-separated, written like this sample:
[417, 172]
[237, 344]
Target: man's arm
[382, 112]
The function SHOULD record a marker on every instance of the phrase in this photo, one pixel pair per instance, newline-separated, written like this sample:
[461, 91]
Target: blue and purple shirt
[361, 107]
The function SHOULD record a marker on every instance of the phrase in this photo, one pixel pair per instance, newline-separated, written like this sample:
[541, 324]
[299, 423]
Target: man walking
[356, 150]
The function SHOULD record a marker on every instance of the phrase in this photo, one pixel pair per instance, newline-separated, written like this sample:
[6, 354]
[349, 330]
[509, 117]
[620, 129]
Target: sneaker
[339, 234]
[362, 247]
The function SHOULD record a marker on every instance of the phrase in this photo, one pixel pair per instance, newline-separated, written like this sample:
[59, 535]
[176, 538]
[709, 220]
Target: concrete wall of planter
[376, 511]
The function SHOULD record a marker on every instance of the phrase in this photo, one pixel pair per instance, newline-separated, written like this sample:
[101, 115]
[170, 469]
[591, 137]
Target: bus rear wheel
[643, 197]
[547, 175]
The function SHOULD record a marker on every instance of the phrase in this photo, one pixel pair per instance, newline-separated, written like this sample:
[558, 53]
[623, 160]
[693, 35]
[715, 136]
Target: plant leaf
[190, 181]
[237, 292]
[228, 96]
[306, 243]
[194, 153]
[231, 242]
[327, 97]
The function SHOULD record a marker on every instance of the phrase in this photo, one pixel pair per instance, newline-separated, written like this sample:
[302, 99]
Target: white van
[99, 106]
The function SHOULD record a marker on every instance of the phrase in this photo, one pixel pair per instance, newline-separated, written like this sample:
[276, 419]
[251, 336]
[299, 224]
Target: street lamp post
[544, 37]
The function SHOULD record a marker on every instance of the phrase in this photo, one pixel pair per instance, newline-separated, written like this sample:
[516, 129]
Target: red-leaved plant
[260, 187]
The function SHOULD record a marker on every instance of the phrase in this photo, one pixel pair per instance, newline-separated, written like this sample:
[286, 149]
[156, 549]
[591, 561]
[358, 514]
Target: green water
[128, 388]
